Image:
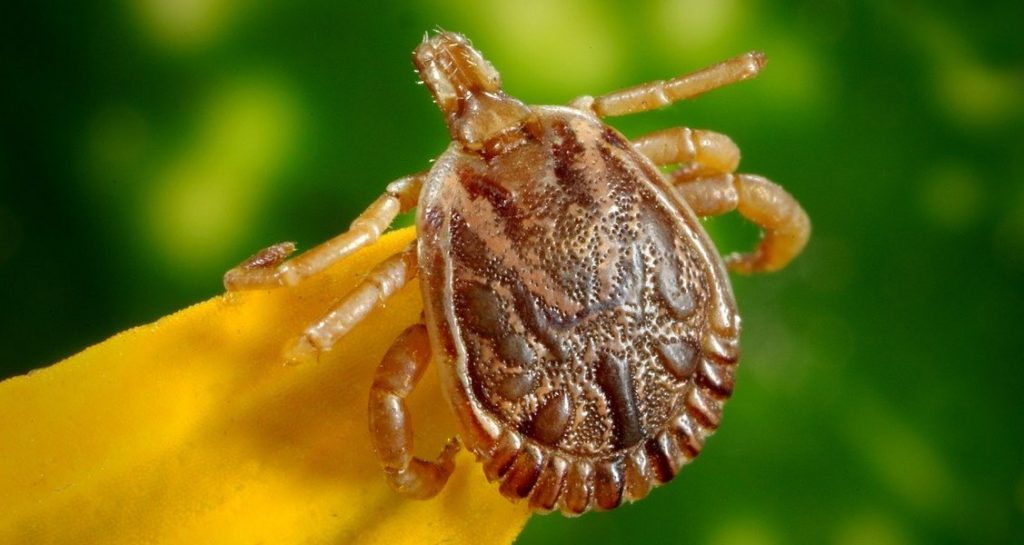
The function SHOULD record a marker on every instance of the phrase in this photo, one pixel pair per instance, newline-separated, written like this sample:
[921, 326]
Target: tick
[581, 320]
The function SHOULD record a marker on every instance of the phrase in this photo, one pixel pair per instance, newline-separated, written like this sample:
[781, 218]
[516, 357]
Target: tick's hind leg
[268, 268]
[655, 94]
[391, 425]
[707, 182]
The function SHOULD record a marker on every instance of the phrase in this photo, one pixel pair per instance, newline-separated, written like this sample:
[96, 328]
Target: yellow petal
[190, 430]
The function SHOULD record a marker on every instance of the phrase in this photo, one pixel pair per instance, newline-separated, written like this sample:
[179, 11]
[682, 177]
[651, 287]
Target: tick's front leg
[707, 183]
[268, 268]
[391, 425]
[655, 94]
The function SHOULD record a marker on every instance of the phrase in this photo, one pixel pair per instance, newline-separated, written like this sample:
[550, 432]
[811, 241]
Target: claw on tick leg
[447, 457]
[270, 257]
[301, 351]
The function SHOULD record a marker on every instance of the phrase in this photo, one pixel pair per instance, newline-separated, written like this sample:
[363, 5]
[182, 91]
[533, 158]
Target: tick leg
[702, 152]
[707, 183]
[391, 425]
[268, 268]
[655, 94]
[784, 223]
[381, 283]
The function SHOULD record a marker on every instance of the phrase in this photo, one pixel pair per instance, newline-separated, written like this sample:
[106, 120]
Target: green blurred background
[149, 145]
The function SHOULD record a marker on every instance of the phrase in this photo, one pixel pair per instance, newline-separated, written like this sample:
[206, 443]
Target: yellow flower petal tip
[190, 430]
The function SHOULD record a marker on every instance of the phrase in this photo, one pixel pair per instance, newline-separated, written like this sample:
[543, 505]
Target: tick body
[580, 318]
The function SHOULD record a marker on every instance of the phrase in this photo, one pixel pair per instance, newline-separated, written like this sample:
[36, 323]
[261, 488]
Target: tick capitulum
[581, 320]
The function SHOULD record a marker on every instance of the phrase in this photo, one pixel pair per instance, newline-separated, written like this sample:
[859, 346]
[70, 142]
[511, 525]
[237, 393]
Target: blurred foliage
[149, 145]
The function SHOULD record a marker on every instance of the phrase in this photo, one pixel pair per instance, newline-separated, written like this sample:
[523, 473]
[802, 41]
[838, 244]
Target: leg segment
[391, 426]
[268, 268]
[381, 283]
[655, 94]
[703, 152]
[708, 185]
[785, 225]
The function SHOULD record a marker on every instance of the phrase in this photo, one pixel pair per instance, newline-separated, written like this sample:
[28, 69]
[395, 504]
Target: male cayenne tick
[580, 318]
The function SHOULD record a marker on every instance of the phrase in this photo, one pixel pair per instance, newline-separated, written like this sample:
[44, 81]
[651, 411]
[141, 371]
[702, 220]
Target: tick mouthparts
[452, 69]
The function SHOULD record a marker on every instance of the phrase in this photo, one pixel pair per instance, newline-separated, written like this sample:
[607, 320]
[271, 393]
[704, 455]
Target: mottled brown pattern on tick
[581, 301]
